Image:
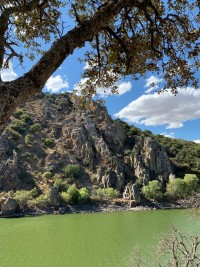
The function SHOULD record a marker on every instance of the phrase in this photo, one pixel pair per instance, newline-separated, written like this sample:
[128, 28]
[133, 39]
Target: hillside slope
[51, 132]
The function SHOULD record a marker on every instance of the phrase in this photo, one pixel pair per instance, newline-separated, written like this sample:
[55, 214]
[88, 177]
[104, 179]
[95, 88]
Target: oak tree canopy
[126, 37]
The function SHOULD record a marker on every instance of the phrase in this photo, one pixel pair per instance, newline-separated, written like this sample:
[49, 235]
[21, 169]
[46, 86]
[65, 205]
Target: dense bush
[72, 171]
[176, 188]
[36, 127]
[105, 193]
[26, 118]
[153, 190]
[23, 196]
[49, 142]
[18, 126]
[18, 112]
[12, 134]
[41, 201]
[47, 175]
[61, 184]
[73, 194]
[192, 182]
[84, 195]
[28, 139]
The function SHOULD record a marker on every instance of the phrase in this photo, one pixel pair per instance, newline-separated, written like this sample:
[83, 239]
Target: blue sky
[137, 103]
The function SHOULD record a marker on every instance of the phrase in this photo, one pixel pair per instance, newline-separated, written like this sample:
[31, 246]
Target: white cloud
[163, 109]
[8, 74]
[152, 82]
[54, 84]
[170, 135]
[196, 141]
[174, 125]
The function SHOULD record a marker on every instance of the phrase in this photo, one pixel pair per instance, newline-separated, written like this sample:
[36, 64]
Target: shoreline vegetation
[117, 205]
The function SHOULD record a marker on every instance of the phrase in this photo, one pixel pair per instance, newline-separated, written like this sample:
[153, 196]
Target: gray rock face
[150, 161]
[9, 207]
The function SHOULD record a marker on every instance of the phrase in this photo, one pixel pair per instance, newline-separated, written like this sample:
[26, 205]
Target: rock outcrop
[52, 131]
[9, 207]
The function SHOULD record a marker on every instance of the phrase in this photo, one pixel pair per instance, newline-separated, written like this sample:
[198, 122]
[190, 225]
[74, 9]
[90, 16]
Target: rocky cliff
[51, 132]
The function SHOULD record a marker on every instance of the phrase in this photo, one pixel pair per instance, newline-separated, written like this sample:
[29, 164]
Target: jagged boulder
[9, 207]
[150, 161]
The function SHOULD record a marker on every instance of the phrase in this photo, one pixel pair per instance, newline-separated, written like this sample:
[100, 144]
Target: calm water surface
[87, 240]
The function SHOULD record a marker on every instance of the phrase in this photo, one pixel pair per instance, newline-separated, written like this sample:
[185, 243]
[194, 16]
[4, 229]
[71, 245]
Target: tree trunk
[16, 92]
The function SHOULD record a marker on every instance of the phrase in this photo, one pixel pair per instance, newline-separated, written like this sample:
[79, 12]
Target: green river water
[87, 240]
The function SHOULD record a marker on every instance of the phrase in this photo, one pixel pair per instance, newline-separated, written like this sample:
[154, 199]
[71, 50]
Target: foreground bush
[153, 190]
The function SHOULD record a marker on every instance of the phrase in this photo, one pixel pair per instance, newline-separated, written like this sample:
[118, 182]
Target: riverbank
[109, 206]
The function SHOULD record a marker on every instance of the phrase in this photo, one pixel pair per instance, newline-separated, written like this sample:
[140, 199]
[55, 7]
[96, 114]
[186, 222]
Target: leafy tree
[192, 182]
[73, 194]
[176, 188]
[126, 37]
[153, 190]
[84, 195]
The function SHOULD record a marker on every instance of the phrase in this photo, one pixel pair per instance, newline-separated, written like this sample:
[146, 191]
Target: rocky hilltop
[51, 132]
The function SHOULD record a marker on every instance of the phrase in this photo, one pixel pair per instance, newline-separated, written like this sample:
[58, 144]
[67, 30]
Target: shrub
[18, 126]
[176, 188]
[12, 134]
[41, 201]
[18, 112]
[47, 175]
[28, 139]
[27, 155]
[111, 193]
[192, 182]
[84, 195]
[49, 142]
[64, 196]
[23, 196]
[26, 118]
[61, 184]
[153, 190]
[105, 193]
[72, 171]
[73, 194]
[36, 127]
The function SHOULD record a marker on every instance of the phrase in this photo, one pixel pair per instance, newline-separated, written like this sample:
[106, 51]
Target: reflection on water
[84, 240]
